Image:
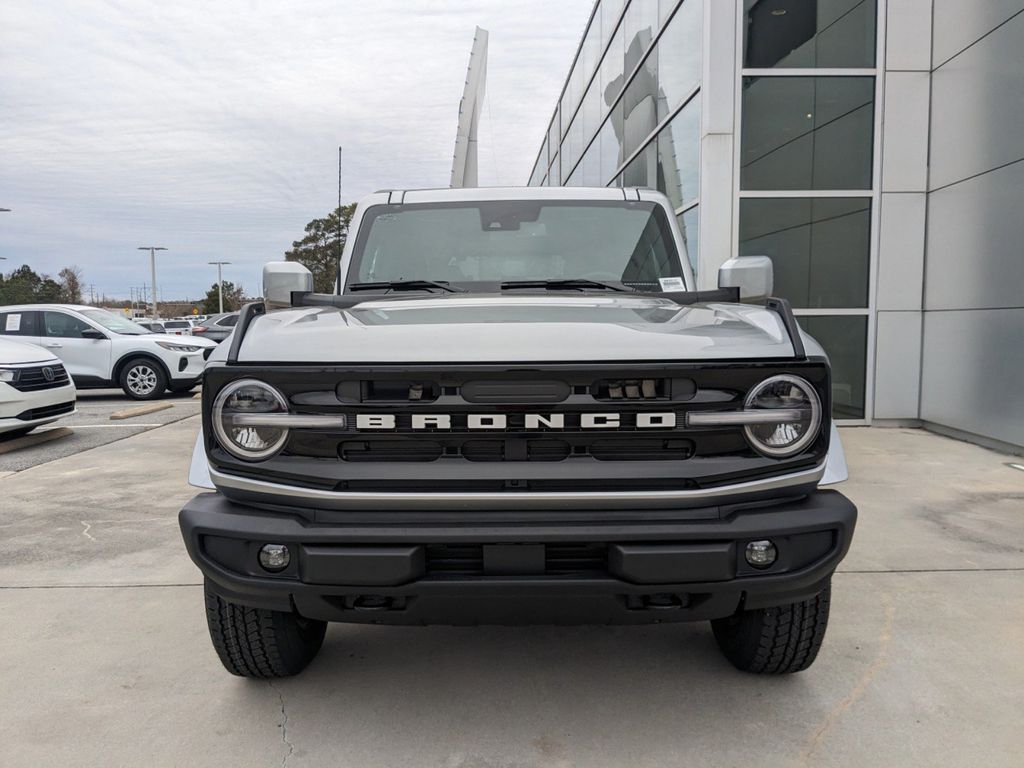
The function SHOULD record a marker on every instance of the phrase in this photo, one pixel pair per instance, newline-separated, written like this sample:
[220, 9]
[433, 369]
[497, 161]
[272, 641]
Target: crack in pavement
[880, 661]
[283, 725]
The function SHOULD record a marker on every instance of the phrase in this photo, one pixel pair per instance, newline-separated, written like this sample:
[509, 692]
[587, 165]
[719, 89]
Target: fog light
[761, 554]
[274, 557]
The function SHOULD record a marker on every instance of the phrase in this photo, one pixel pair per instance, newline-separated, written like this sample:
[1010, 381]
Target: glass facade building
[791, 147]
[629, 114]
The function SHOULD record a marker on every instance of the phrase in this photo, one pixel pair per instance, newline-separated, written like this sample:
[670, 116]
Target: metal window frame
[874, 192]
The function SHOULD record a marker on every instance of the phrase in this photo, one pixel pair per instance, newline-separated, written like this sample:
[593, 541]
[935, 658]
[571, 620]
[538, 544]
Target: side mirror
[92, 333]
[753, 275]
[280, 278]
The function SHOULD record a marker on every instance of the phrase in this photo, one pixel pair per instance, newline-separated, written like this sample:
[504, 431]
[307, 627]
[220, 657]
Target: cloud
[212, 128]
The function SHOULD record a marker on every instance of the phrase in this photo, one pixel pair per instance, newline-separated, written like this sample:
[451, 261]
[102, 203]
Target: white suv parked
[103, 349]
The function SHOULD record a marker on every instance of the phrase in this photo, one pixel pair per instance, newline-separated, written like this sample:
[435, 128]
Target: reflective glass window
[642, 170]
[592, 109]
[679, 155]
[641, 24]
[572, 146]
[609, 139]
[819, 247]
[809, 33]
[553, 172]
[807, 132]
[610, 12]
[612, 76]
[679, 62]
[640, 104]
[688, 227]
[553, 138]
[845, 340]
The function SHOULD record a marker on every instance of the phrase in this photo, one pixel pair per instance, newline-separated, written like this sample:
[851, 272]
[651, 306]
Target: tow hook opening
[372, 603]
[658, 601]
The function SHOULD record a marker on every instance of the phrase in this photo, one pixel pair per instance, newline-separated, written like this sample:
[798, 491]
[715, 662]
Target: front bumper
[558, 573]
[15, 403]
[186, 366]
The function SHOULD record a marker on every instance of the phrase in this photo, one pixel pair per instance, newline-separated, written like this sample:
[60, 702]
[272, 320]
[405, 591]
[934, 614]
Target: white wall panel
[904, 152]
[976, 243]
[897, 365]
[908, 34]
[973, 366]
[901, 251]
[958, 23]
[978, 107]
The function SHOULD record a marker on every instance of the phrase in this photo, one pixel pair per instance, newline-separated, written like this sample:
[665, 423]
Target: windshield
[467, 243]
[176, 324]
[114, 323]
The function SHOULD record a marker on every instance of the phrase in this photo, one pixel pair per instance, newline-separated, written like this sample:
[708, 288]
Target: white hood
[19, 353]
[503, 328]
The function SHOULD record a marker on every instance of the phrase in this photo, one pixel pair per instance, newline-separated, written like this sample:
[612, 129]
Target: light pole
[220, 285]
[152, 268]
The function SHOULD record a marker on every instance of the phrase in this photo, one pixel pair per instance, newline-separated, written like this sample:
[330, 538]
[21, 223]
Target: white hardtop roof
[472, 194]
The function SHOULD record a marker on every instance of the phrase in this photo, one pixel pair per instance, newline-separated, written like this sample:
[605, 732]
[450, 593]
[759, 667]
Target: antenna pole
[338, 286]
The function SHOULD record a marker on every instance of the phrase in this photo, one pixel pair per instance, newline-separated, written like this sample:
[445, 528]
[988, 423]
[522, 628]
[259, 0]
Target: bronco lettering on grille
[501, 421]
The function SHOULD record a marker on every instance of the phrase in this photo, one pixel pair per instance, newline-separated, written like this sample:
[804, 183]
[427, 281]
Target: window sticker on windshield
[669, 284]
[13, 323]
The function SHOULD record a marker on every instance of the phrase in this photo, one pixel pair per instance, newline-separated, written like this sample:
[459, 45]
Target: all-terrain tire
[142, 378]
[255, 642]
[777, 640]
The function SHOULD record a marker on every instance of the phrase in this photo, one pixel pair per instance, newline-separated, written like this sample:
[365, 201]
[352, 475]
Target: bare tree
[70, 279]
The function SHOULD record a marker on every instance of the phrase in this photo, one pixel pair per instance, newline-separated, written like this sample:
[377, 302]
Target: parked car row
[213, 327]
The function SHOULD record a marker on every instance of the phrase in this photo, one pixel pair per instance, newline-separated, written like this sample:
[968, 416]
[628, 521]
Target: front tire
[777, 640]
[255, 642]
[143, 379]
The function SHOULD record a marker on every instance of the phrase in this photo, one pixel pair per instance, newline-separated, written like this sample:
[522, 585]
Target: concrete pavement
[106, 659]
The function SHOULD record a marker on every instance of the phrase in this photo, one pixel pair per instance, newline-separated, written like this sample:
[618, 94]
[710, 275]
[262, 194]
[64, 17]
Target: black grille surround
[515, 459]
[35, 379]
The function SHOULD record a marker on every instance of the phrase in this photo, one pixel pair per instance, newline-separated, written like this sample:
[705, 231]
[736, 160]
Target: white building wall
[973, 329]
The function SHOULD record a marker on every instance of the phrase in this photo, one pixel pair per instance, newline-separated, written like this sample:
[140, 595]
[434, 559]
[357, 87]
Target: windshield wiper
[577, 283]
[406, 285]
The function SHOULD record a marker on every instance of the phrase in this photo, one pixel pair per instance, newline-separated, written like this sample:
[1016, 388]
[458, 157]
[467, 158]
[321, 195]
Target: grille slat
[559, 559]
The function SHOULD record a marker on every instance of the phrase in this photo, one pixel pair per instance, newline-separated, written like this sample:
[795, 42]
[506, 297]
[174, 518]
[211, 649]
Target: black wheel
[143, 379]
[254, 642]
[776, 640]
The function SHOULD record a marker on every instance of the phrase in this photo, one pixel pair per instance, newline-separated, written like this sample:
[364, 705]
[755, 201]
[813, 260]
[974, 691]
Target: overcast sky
[211, 128]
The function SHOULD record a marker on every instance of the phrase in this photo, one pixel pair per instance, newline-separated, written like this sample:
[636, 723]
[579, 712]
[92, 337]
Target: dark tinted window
[845, 340]
[809, 33]
[819, 247]
[807, 132]
[19, 323]
[63, 326]
[230, 321]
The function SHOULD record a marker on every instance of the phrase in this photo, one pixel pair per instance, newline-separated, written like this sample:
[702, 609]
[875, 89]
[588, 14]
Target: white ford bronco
[517, 408]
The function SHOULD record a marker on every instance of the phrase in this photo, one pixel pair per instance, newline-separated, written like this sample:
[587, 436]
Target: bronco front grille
[551, 427]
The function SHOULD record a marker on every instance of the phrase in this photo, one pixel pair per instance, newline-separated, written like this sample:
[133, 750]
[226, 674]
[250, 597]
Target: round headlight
[799, 416]
[243, 398]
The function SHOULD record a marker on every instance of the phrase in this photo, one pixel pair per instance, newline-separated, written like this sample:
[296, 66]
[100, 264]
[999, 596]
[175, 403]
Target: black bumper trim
[376, 573]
